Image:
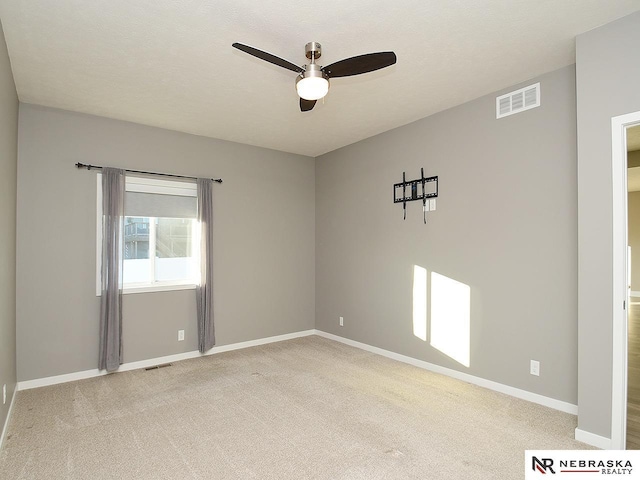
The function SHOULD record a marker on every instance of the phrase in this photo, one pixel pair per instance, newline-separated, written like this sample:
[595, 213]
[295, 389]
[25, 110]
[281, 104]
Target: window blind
[138, 204]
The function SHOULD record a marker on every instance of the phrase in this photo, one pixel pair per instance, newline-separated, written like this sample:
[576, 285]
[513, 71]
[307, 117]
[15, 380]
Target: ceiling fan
[312, 82]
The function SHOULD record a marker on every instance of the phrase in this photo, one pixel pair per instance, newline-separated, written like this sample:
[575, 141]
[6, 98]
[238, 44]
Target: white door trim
[619, 127]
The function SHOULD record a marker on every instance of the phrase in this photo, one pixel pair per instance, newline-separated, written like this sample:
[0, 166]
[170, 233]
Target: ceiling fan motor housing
[312, 70]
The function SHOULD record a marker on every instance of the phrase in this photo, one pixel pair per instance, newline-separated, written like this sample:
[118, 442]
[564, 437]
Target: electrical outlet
[535, 368]
[4, 393]
[432, 204]
[180, 335]
[342, 321]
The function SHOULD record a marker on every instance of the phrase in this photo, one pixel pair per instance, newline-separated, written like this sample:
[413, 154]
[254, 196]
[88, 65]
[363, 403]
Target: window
[161, 242]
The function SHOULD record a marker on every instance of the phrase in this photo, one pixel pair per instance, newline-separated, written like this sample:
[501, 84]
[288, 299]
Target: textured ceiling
[170, 63]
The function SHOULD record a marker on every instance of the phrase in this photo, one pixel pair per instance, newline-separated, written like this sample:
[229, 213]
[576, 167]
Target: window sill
[158, 288]
[155, 288]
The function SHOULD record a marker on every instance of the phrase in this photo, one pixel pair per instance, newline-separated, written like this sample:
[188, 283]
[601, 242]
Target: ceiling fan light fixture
[312, 88]
[312, 84]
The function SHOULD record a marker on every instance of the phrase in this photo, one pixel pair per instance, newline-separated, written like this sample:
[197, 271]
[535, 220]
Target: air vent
[515, 102]
[155, 367]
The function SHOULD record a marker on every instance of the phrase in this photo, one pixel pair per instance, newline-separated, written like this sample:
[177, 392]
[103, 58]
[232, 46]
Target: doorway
[624, 130]
[633, 318]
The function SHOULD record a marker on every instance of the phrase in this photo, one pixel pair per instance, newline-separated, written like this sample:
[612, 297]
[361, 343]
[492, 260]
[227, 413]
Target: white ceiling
[170, 63]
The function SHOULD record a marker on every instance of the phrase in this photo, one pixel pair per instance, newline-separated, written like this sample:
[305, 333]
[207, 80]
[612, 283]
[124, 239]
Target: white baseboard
[634, 294]
[593, 439]
[6, 421]
[498, 387]
[70, 377]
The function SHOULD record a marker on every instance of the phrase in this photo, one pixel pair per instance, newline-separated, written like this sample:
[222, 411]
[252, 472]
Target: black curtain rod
[96, 167]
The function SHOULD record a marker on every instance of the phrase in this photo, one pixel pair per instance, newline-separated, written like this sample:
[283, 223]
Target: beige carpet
[308, 408]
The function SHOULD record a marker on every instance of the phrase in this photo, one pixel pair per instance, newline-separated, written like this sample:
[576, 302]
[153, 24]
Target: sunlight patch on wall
[420, 302]
[450, 317]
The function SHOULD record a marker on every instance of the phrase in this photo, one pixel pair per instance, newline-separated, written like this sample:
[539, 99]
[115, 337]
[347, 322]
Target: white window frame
[146, 185]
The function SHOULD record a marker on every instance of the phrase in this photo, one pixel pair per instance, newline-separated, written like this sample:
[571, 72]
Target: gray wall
[505, 225]
[634, 238]
[8, 160]
[608, 80]
[263, 246]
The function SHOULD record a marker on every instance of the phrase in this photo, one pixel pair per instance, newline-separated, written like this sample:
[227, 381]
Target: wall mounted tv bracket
[421, 188]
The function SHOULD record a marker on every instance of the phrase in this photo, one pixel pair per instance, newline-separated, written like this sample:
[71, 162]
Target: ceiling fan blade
[268, 57]
[366, 63]
[306, 105]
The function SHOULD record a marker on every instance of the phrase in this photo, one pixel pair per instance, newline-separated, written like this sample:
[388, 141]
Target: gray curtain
[204, 292]
[113, 187]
